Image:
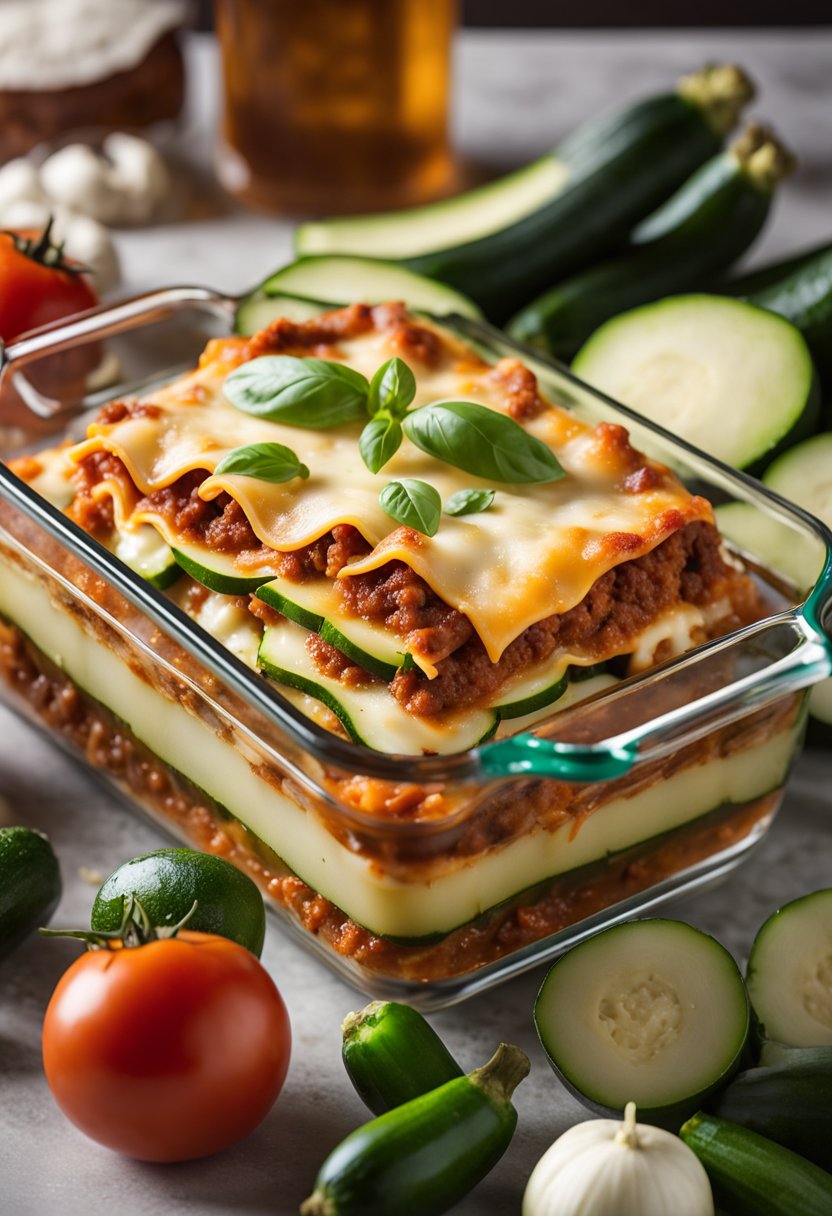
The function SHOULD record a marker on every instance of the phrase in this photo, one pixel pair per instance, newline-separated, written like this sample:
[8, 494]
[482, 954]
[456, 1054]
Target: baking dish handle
[743, 673]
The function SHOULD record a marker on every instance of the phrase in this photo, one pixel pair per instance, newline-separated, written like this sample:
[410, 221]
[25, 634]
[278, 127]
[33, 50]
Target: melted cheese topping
[536, 552]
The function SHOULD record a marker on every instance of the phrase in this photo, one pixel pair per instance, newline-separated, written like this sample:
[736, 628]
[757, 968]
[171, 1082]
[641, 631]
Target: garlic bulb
[606, 1168]
[124, 184]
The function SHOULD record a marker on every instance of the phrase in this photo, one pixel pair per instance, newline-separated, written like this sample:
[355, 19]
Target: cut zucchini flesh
[653, 1012]
[786, 550]
[734, 380]
[217, 571]
[547, 683]
[333, 281]
[467, 217]
[369, 713]
[144, 551]
[789, 975]
[315, 605]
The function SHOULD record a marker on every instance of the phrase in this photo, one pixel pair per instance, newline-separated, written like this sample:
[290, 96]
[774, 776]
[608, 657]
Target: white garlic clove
[79, 178]
[139, 173]
[88, 242]
[20, 182]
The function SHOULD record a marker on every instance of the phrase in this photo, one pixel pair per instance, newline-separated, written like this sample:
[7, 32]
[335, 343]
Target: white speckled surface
[517, 94]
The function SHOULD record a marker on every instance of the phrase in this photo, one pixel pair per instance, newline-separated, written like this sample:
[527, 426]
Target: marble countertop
[516, 95]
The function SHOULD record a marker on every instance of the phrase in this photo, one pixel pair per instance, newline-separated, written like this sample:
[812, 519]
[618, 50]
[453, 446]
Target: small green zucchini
[790, 1103]
[804, 296]
[423, 1157]
[392, 1054]
[753, 1176]
[30, 884]
[704, 227]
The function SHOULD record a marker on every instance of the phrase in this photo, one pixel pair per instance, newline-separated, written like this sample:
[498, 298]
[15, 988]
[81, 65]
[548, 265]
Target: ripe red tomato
[35, 284]
[169, 1050]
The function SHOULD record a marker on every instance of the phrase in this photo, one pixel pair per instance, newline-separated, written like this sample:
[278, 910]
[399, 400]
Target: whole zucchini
[791, 1103]
[616, 170]
[753, 1176]
[30, 884]
[703, 228]
[423, 1157]
[392, 1055]
[804, 296]
[766, 276]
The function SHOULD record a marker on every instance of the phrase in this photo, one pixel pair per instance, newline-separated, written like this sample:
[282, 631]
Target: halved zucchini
[732, 379]
[313, 284]
[652, 1012]
[369, 713]
[144, 551]
[789, 974]
[315, 605]
[217, 571]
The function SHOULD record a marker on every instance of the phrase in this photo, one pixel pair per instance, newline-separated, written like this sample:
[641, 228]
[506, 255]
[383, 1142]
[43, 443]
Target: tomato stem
[135, 929]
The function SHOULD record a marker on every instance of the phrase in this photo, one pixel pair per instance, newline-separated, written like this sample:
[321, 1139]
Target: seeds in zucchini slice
[653, 1012]
[789, 975]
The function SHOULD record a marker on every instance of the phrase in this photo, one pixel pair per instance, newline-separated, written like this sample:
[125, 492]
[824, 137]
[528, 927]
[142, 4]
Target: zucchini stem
[721, 91]
[354, 1021]
[499, 1078]
[763, 157]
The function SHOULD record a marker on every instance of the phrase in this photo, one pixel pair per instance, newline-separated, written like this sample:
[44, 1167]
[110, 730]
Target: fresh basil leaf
[380, 439]
[469, 502]
[392, 388]
[482, 442]
[412, 503]
[313, 393]
[265, 461]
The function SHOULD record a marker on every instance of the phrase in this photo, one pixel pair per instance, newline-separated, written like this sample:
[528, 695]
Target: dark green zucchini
[753, 1176]
[704, 227]
[392, 1054]
[790, 1102]
[30, 884]
[767, 276]
[423, 1157]
[804, 297]
[618, 170]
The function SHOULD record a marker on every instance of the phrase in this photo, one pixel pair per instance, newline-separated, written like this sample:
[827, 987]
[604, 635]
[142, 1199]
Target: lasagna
[405, 638]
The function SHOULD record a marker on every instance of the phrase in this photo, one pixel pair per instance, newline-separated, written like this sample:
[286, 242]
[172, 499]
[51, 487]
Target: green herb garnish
[481, 442]
[413, 503]
[265, 461]
[313, 393]
[469, 502]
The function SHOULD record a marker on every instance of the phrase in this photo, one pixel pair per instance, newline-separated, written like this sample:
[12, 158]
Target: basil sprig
[265, 461]
[469, 502]
[482, 442]
[392, 389]
[413, 503]
[313, 393]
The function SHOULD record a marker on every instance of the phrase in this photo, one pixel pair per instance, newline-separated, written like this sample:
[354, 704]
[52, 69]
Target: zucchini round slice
[789, 975]
[732, 379]
[217, 571]
[652, 1012]
[313, 284]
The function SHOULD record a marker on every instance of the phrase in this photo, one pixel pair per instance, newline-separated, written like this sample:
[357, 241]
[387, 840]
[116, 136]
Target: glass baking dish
[427, 878]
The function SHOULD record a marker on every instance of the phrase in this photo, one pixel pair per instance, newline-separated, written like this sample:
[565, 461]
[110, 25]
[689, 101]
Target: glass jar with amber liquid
[335, 105]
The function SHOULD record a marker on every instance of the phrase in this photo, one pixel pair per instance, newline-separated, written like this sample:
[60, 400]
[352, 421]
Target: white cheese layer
[360, 887]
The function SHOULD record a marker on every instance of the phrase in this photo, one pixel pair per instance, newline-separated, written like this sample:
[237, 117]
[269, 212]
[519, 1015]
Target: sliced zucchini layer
[313, 284]
[467, 217]
[789, 975]
[734, 380]
[652, 1012]
[368, 712]
[144, 551]
[315, 605]
[217, 571]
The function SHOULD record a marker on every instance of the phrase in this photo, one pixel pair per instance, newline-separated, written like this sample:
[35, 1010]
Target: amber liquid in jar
[335, 105]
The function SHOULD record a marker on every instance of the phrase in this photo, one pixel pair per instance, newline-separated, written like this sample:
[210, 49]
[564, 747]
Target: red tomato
[166, 1051]
[35, 287]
